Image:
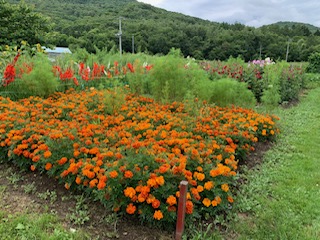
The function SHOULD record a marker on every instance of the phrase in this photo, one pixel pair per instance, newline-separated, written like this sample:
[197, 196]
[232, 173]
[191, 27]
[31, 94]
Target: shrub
[314, 63]
[33, 77]
[173, 77]
[226, 92]
[40, 81]
[139, 78]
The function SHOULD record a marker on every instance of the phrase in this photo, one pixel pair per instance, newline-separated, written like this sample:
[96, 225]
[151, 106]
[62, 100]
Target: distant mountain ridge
[94, 25]
[290, 25]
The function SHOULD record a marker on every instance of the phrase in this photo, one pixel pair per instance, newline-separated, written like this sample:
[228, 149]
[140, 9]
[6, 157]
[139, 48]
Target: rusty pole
[181, 209]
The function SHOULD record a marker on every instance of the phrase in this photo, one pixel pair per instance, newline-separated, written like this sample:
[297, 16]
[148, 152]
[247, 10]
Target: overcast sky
[249, 12]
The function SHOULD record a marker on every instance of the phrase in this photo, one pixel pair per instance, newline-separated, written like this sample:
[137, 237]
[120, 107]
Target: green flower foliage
[226, 92]
[314, 63]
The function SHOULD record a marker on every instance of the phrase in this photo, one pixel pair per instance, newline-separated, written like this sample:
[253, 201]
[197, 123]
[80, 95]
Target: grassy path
[282, 199]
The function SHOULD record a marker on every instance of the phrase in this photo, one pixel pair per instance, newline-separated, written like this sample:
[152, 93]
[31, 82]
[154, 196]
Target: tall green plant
[173, 77]
[314, 63]
[226, 92]
[39, 82]
[271, 95]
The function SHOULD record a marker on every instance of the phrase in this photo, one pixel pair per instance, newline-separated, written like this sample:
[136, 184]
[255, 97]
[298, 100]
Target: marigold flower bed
[133, 160]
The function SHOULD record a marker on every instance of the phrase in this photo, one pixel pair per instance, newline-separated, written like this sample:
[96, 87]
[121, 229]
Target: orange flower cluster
[133, 160]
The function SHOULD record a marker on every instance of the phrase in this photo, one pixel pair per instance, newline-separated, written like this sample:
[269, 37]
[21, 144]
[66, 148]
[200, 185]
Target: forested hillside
[94, 24]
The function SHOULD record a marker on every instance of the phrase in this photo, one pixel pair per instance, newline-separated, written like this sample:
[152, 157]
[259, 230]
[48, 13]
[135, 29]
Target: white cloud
[153, 2]
[249, 12]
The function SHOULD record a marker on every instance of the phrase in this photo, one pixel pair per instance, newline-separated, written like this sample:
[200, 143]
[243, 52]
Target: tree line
[94, 24]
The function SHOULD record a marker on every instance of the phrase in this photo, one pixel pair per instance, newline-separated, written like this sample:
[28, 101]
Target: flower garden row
[259, 75]
[134, 159]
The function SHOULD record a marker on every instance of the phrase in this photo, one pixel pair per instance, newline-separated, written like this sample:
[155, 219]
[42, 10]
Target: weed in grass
[30, 188]
[48, 195]
[14, 178]
[2, 190]
[44, 226]
[201, 232]
[80, 215]
[65, 198]
[112, 219]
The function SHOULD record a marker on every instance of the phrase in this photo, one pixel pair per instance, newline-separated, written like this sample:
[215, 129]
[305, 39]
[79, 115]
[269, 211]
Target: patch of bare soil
[254, 159]
[50, 197]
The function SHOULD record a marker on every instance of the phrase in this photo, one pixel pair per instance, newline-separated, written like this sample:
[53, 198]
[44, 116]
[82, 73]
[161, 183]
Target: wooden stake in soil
[181, 209]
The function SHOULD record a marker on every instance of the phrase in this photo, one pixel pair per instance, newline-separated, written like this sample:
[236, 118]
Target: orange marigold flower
[225, 187]
[156, 203]
[157, 215]
[206, 202]
[141, 197]
[93, 183]
[230, 199]
[264, 132]
[172, 209]
[151, 182]
[195, 193]
[160, 180]
[101, 185]
[76, 145]
[145, 190]
[208, 185]
[67, 186]
[33, 167]
[164, 168]
[200, 176]
[109, 154]
[171, 200]
[199, 169]
[150, 198]
[178, 194]
[214, 203]
[131, 208]
[47, 154]
[113, 174]
[94, 151]
[215, 172]
[62, 161]
[129, 192]
[48, 166]
[128, 174]
[78, 180]
[218, 199]
[76, 153]
[189, 207]
[200, 188]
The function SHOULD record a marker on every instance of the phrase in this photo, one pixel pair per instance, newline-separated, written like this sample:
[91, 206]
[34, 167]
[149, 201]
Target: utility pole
[260, 51]
[287, 54]
[119, 34]
[132, 44]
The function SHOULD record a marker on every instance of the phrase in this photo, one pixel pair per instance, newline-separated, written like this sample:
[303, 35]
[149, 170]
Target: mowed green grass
[282, 199]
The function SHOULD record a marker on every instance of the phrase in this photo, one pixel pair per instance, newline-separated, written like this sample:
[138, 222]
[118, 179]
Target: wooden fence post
[181, 209]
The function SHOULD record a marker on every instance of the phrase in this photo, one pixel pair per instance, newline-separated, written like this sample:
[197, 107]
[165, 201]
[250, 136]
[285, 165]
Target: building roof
[57, 50]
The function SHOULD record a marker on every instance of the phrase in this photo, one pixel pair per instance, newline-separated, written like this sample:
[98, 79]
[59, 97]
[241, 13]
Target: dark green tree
[19, 22]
